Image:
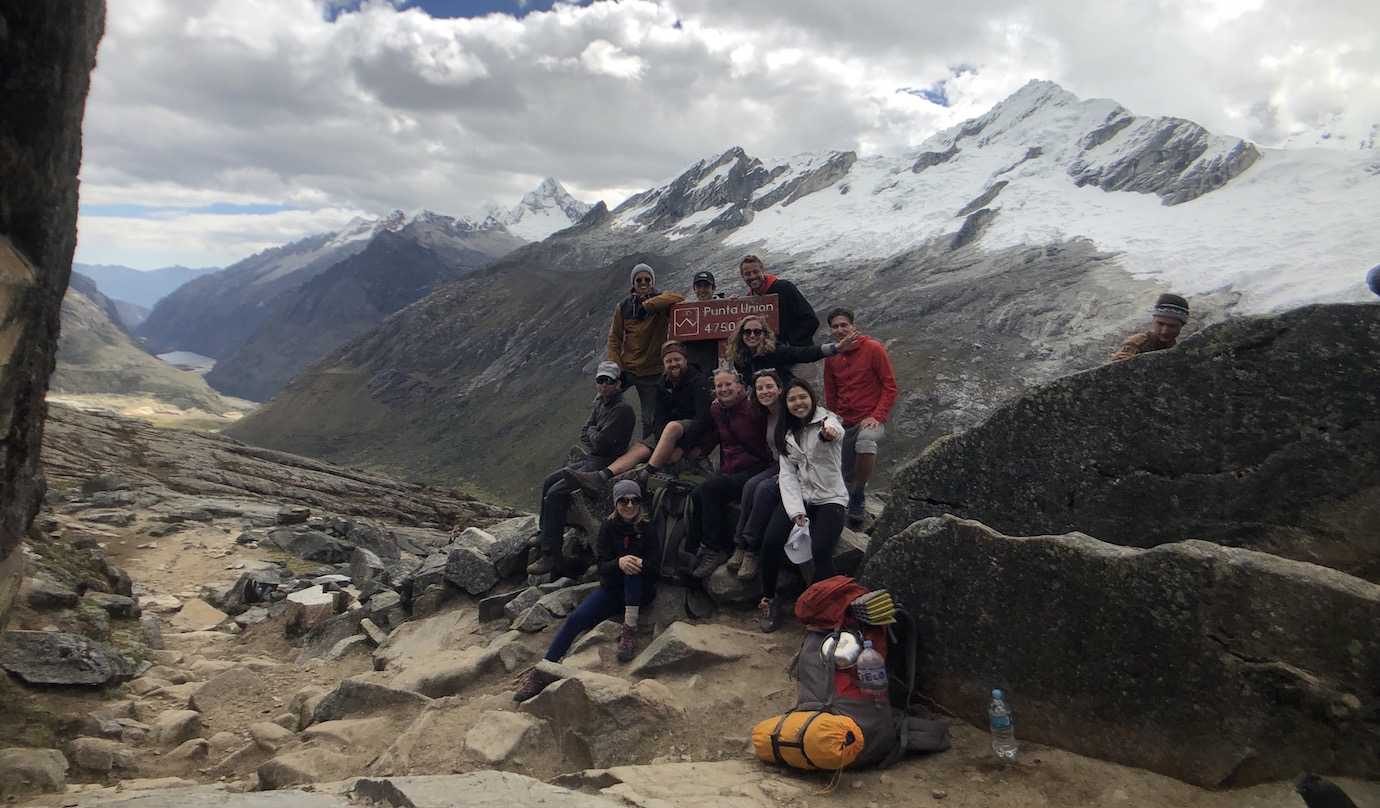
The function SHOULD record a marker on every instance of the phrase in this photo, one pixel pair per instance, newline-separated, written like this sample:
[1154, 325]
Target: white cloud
[266, 101]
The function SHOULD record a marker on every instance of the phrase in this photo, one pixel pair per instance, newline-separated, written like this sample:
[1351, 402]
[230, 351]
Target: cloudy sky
[216, 128]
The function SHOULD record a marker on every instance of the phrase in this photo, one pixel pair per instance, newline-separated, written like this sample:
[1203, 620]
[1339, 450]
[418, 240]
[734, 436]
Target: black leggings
[826, 525]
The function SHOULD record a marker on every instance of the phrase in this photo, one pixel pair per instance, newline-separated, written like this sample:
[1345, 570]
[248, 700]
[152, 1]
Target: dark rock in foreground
[56, 658]
[1260, 432]
[1217, 666]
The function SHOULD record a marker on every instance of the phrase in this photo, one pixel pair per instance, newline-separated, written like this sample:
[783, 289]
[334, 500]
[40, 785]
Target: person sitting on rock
[627, 559]
[682, 400]
[796, 316]
[635, 337]
[755, 348]
[813, 493]
[860, 387]
[1166, 321]
[738, 427]
[604, 437]
[760, 493]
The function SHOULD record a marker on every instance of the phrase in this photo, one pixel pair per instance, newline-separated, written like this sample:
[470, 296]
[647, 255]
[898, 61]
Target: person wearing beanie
[635, 337]
[628, 560]
[1167, 319]
[682, 400]
[604, 437]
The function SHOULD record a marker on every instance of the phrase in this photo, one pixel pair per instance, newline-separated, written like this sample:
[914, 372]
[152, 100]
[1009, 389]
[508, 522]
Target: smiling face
[798, 402]
[752, 331]
[767, 390]
[673, 362]
[754, 275]
[704, 291]
[727, 389]
[841, 327]
[629, 508]
[642, 283]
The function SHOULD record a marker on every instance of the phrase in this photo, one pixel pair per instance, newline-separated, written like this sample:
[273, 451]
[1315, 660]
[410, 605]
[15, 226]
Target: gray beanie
[632, 277]
[626, 488]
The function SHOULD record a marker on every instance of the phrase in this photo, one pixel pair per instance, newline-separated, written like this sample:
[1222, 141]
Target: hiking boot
[593, 483]
[736, 560]
[528, 685]
[856, 519]
[769, 617]
[709, 561]
[748, 570]
[542, 565]
[627, 643]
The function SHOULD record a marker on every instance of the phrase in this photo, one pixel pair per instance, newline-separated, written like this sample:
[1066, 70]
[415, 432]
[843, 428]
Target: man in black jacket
[797, 316]
[682, 399]
[604, 437]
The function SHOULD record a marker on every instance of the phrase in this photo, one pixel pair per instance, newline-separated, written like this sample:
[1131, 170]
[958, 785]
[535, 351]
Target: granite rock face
[1253, 433]
[46, 57]
[1218, 666]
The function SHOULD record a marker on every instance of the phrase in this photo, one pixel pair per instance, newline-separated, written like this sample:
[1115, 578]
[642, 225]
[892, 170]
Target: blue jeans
[600, 605]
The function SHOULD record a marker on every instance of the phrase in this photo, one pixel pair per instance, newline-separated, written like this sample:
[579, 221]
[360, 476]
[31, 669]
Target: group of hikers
[794, 460]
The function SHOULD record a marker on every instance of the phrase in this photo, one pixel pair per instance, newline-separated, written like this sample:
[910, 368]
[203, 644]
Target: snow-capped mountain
[542, 211]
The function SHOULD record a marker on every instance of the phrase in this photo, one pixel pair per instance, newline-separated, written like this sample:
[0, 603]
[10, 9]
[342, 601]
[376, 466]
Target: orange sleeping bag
[808, 740]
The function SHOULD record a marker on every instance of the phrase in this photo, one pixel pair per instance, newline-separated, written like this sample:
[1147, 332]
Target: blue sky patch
[134, 211]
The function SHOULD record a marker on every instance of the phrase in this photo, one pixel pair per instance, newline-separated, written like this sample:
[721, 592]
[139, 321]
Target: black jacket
[687, 399]
[797, 316]
[618, 538]
[783, 360]
[606, 434]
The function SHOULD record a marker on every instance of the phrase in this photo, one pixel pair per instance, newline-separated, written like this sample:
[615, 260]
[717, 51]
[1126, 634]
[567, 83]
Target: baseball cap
[609, 369]
[704, 277]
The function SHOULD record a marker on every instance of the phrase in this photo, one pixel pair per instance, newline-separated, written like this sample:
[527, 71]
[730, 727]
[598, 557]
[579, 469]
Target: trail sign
[696, 320]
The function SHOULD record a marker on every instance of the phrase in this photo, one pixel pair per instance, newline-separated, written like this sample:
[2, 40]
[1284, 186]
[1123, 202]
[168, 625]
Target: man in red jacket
[860, 387]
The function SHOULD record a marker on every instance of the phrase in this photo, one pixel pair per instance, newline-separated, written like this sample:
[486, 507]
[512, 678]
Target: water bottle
[1003, 728]
[872, 676]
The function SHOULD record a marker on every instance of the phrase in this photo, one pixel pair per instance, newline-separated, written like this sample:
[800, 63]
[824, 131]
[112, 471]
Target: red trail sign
[718, 319]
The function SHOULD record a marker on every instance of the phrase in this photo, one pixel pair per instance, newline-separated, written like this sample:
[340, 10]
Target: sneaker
[542, 565]
[528, 685]
[593, 483]
[769, 617]
[627, 643]
[856, 519]
[748, 570]
[736, 560]
[710, 560]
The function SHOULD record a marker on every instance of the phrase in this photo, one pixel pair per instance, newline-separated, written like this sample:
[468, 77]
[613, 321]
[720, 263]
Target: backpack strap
[799, 743]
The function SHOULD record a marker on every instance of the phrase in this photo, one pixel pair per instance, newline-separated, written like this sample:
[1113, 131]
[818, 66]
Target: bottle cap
[867, 643]
[997, 694]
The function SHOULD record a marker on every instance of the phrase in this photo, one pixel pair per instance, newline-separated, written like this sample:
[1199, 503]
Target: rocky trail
[207, 623]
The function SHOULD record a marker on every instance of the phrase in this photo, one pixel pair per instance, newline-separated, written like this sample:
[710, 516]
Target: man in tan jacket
[636, 336]
[1166, 321]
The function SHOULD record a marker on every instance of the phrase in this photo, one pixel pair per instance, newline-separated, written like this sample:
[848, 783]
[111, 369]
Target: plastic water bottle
[1003, 728]
[872, 676]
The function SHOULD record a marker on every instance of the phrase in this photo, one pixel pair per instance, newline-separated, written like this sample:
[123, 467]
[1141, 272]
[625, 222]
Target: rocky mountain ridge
[541, 212]
[140, 287]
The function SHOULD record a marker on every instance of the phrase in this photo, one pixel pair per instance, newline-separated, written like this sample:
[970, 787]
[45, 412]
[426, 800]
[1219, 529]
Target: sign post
[717, 319]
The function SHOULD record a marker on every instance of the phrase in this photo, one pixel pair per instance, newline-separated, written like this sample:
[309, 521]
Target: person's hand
[869, 423]
[827, 432]
[630, 565]
[850, 342]
[801, 520]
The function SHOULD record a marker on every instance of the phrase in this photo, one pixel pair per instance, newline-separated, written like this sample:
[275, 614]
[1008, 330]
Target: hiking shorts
[651, 440]
[857, 440]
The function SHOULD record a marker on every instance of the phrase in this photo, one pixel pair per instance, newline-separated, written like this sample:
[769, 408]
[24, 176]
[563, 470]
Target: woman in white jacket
[812, 492]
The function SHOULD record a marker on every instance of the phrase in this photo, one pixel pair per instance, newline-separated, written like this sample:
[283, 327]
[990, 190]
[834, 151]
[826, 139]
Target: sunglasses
[754, 331]
[605, 380]
[630, 501]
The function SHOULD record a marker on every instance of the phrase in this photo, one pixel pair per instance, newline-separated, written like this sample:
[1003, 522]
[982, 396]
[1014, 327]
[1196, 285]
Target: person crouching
[627, 563]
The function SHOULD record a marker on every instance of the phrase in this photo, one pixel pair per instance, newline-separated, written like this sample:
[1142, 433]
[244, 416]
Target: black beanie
[1171, 306]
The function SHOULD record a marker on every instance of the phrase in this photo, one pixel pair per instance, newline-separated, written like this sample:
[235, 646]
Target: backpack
[672, 512]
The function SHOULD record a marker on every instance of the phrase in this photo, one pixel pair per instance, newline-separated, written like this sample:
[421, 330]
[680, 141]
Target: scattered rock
[161, 604]
[686, 648]
[115, 518]
[193, 749]
[308, 607]
[471, 570]
[511, 651]
[104, 482]
[492, 607]
[432, 600]
[57, 658]
[172, 727]
[42, 592]
[376, 635]
[600, 720]
[304, 766]
[606, 633]
[251, 617]
[197, 615]
[533, 620]
[31, 771]
[421, 639]
[500, 734]
[311, 545]
[226, 688]
[563, 601]
[293, 515]
[167, 674]
[100, 755]
[939, 793]
[521, 602]
[268, 736]
[355, 697]
[484, 789]
[727, 588]
[223, 741]
[114, 605]
[152, 630]
[253, 586]
[448, 673]
[431, 572]
[326, 635]
[365, 566]
[351, 733]
[345, 646]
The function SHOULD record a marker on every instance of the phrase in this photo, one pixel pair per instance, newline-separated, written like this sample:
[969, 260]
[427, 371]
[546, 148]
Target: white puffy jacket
[812, 468]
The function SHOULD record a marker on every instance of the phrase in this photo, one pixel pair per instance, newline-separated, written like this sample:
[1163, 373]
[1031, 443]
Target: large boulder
[31, 771]
[56, 658]
[688, 648]
[601, 720]
[1218, 666]
[1258, 432]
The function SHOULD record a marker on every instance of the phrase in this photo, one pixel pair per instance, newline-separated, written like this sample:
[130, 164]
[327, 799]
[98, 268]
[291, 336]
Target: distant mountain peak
[544, 210]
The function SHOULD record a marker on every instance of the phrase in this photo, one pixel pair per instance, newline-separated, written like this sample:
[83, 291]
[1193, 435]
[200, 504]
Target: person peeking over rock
[1167, 319]
[627, 560]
